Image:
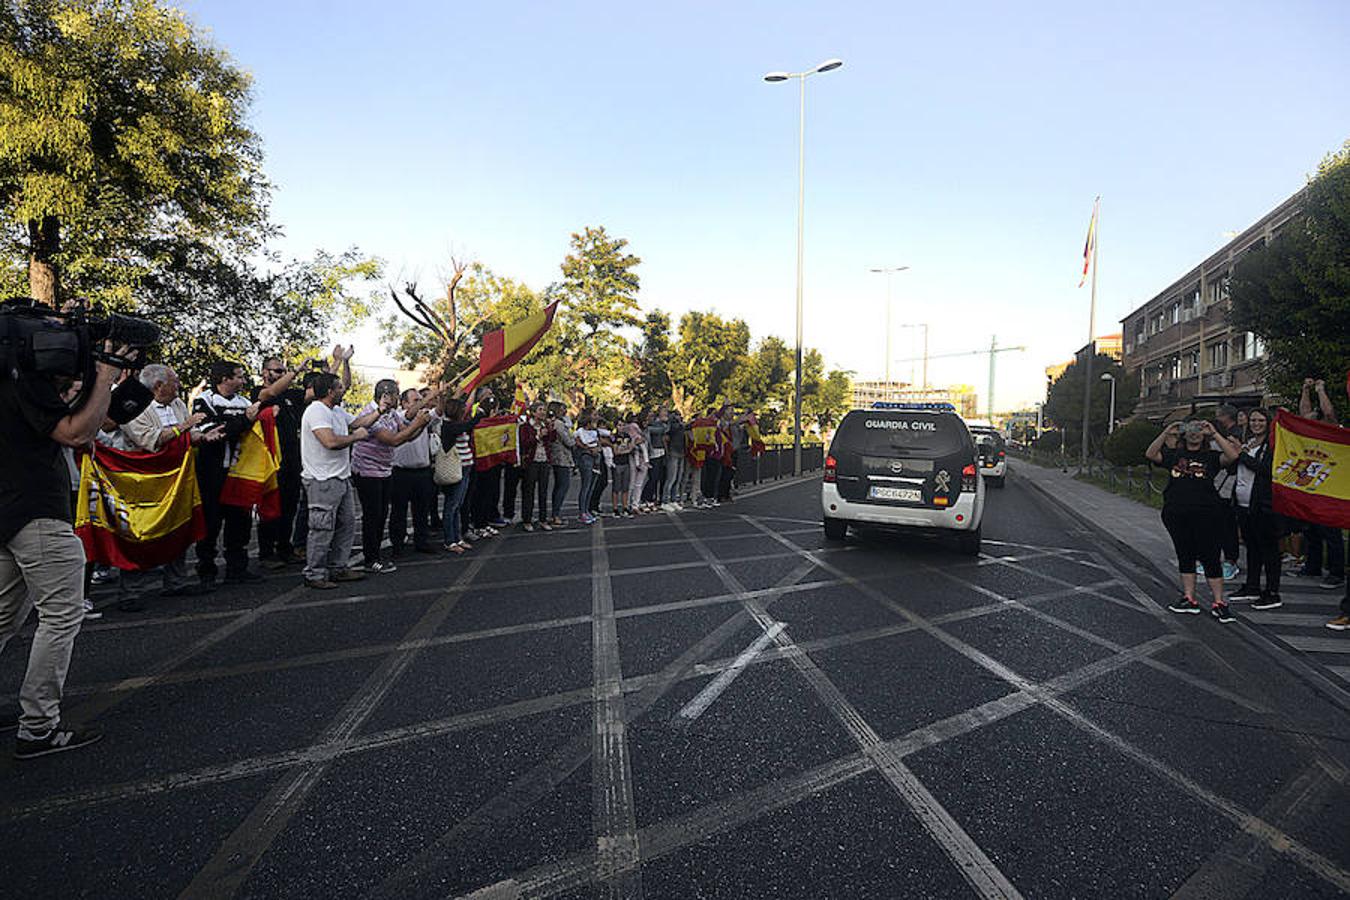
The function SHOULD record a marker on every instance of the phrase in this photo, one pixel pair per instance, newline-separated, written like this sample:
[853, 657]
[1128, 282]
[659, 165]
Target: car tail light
[1002, 454]
[968, 478]
[831, 466]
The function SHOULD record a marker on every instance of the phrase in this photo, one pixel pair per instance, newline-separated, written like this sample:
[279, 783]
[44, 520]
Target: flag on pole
[138, 510]
[252, 480]
[1091, 243]
[495, 441]
[1310, 470]
[507, 346]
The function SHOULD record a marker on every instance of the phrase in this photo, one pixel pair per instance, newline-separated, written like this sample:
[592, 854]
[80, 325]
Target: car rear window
[994, 437]
[877, 433]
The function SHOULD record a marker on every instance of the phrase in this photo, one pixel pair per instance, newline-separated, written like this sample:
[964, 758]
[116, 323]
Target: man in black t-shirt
[278, 389]
[224, 408]
[41, 559]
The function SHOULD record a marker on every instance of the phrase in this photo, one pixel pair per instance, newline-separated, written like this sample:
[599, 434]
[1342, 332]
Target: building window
[1218, 289]
[1218, 355]
[1192, 360]
[1174, 313]
[1175, 367]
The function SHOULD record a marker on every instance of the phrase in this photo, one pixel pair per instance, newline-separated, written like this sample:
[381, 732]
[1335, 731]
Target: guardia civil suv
[911, 466]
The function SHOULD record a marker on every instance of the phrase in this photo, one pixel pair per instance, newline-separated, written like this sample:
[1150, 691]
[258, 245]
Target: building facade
[1107, 345]
[962, 396]
[1180, 341]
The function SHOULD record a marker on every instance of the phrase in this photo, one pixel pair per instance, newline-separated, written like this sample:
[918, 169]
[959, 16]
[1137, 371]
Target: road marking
[970, 861]
[696, 707]
[225, 873]
[612, 818]
[1338, 645]
[1272, 836]
[666, 837]
[1287, 619]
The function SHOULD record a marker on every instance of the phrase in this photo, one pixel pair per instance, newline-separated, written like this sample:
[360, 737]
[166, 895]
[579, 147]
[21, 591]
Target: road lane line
[696, 707]
[970, 861]
[528, 789]
[225, 873]
[1272, 836]
[671, 835]
[613, 821]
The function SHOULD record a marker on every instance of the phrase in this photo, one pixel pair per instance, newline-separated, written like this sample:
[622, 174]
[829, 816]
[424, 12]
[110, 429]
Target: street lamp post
[1111, 415]
[924, 326]
[774, 77]
[888, 272]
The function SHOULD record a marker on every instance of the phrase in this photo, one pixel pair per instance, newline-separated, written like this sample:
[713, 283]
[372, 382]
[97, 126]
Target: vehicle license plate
[908, 495]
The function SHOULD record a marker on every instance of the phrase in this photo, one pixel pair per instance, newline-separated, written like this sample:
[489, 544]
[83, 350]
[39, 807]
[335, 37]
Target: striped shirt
[370, 457]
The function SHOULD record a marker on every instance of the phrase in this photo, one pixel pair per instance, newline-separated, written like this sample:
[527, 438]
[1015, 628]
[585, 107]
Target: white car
[993, 450]
[905, 466]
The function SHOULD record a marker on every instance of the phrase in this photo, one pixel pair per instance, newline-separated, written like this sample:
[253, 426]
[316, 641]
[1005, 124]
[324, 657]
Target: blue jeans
[454, 499]
[562, 480]
[586, 463]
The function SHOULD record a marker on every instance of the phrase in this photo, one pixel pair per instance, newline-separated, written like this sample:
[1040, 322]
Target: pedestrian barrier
[1143, 482]
[776, 462]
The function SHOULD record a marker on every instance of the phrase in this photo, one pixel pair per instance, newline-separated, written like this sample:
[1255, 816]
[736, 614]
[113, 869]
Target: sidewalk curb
[1289, 658]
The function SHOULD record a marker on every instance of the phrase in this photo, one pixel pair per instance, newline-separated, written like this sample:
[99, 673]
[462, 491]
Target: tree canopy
[1294, 293]
[1064, 405]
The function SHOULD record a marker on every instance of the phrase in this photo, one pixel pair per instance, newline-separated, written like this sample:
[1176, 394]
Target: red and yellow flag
[702, 439]
[252, 480]
[1310, 470]
[507, 346]
[138, 510]
[1091, 244]
[495, 441]
[520, 403]
[756, 439]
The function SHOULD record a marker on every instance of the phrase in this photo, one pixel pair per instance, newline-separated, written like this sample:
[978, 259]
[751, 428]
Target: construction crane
[993, 351]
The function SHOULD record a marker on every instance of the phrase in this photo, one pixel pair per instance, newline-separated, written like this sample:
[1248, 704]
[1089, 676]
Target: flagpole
[1092, 331]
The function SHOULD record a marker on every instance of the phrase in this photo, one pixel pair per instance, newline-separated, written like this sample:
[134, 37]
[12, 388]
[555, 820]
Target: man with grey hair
[159, 424]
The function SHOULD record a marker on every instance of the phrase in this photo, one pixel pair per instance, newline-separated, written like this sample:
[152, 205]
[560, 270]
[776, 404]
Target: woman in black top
[1192, 511]
[1256, 516]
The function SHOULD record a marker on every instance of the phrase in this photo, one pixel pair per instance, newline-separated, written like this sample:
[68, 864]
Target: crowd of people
[1219, 498]
[417, 466]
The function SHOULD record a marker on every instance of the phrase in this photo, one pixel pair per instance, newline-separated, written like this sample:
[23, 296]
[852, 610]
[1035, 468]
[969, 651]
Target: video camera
[36, 340]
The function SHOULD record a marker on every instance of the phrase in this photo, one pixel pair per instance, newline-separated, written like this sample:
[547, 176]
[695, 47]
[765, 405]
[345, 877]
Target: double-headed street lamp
[773, 77]
[888, 272]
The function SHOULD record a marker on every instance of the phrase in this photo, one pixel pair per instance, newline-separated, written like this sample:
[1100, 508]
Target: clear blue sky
[966, 141]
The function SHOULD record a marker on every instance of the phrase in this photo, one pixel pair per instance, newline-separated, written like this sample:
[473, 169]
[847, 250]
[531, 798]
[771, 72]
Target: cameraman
[41, 559]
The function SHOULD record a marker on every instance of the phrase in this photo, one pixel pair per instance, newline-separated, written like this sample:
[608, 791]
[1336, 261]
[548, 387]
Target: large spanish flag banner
[507, 346]
[1310, 476]
[139, 510]
[495, 441]
[252, 480]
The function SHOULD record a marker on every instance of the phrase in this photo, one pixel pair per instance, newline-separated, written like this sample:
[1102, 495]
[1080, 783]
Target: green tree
[1126, 445]
[600, 290]
[649, 385]
[708, 353]
[1294, 293]
[759, 379]
[123, 132]
[832, 400]
[1064, 405]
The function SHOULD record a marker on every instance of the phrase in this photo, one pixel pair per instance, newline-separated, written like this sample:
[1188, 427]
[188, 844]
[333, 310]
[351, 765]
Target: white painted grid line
[696, 707]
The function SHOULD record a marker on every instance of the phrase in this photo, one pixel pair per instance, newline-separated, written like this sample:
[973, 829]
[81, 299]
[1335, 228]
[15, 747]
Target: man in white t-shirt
[327, 431]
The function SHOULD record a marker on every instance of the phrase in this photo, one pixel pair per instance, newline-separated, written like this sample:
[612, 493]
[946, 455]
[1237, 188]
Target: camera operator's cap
[129, 400]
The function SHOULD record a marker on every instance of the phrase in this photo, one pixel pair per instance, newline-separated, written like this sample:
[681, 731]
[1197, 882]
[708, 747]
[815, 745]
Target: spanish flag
[1091, 244]
[139, 510]
[495, 441]
[507, 346]
[252, 480]
[1310, 471]
[703, 440]
[756, 439]
[520, 403]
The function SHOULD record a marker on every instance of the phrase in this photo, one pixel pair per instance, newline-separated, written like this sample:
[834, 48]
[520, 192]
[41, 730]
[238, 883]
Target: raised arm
[1154, 451]
[333, 441]
[79, 428]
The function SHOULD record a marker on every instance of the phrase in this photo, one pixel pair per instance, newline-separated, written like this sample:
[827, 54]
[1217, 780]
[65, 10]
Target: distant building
[1107, 345]
[1180, 341]
[962, 396]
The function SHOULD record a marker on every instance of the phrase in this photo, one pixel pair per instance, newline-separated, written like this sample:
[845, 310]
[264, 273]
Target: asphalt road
[714, 704]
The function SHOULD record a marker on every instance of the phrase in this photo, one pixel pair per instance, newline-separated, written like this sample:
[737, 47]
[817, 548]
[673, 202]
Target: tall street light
[774, 77]
[924, 326]
[888, 272]
[1111, 416]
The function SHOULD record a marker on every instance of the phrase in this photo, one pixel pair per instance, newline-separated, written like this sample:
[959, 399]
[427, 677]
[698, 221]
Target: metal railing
[775, 463]
[1144, 481]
